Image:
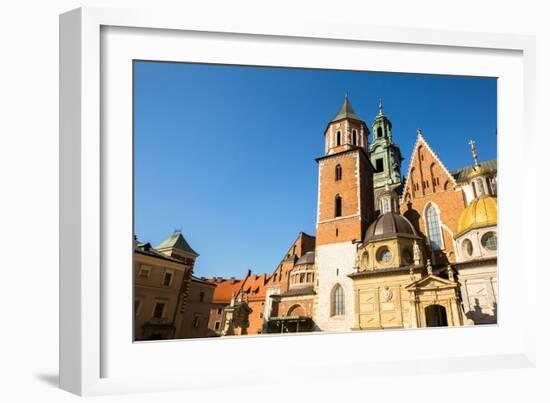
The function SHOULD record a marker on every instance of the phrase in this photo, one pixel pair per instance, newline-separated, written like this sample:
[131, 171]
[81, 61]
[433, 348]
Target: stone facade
[334, 263]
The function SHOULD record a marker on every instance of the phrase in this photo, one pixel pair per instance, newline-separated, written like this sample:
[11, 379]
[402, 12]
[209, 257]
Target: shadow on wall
[481, 318]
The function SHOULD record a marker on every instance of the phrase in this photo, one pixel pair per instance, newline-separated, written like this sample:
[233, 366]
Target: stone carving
[387, 294]
[416, 253]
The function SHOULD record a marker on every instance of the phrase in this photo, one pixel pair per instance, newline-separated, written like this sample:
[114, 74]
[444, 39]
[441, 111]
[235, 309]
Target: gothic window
[434, 228]
[338, 172]
[339, 138]
[354, 137]
[379, 132]
[337, 301]
[338, 206]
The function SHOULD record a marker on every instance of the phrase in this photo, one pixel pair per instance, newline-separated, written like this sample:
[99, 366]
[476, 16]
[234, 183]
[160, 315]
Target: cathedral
[389, 251]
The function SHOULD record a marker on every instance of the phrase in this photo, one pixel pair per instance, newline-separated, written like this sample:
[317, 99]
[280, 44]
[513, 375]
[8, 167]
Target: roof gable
[414, 161]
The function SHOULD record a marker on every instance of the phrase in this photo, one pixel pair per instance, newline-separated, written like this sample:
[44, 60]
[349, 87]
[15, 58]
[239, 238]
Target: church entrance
[436, 315]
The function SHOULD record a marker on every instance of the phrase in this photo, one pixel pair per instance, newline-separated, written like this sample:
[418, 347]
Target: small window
[144, 272]
[167, 279]
[489, 241]
[338, 172]
[201, 296]
[338, 138]
[379, 165]
[354, 137]
[137, 307]
[379, 132]
[336, 232]
[217, 326]
[302, 279]
[309, 278]
[467, 247]
[337, 206]
[219, 311]
[159, 310]
[197, 321]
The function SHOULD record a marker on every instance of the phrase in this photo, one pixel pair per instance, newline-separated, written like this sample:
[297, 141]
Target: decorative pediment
[431, 282]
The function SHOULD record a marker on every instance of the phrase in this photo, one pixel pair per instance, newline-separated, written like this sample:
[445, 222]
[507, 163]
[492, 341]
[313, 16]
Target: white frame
[82, 299]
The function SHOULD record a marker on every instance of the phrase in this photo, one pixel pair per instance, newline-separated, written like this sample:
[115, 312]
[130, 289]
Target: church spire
[346, 111]
[380, 108]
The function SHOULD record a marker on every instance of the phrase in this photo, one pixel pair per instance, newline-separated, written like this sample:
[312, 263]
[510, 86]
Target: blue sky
[227, 153]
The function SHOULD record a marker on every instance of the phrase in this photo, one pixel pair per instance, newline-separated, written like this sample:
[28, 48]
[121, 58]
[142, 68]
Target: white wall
[334, 262]
[28, 206]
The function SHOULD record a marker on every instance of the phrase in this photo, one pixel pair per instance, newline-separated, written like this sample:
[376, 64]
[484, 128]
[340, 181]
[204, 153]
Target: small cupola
[388, 201]
[479, 177]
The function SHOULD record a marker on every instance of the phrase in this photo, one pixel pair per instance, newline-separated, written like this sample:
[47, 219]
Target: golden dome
[477, 171]
[482, 212]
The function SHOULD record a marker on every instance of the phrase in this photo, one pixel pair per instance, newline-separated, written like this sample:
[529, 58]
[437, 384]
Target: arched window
[338, 138]
[354, 137]
[338, 172]
[434, 227]
[338, 206]
[379, 132]
[337, 301]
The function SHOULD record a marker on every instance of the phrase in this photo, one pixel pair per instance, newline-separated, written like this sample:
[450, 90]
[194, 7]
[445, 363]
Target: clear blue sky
[226, 153]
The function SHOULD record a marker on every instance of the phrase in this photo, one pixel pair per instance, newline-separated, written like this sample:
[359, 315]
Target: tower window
[338, 206]
[354, 137]
[339, 138]
[379, 164]
[337, 301]
[338, 172]
[379, 132]
[434, 228]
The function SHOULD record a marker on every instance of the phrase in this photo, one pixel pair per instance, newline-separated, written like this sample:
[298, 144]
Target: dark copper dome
[390, 225]
[307, 258]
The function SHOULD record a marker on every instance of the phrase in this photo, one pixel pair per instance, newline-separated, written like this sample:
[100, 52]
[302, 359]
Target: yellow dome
[482, 212]
[477, 171]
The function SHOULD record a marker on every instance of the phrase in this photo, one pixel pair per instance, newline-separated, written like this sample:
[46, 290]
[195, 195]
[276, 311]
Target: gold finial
[380, 105]
[474, 153]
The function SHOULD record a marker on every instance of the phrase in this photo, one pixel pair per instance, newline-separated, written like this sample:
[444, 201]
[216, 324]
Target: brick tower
[345, 208]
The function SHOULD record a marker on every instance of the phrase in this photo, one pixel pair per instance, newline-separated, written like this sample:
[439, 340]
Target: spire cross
[474, 153]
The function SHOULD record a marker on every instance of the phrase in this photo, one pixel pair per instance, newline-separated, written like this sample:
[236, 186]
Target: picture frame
[97, 357]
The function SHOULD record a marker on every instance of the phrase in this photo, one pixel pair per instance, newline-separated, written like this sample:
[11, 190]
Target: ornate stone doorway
[436, 315]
